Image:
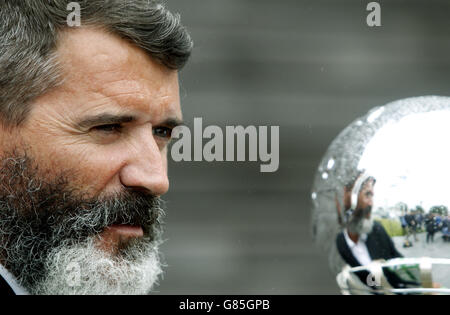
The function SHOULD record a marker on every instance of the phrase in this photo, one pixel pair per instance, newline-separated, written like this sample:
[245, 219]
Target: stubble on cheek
[52, 161]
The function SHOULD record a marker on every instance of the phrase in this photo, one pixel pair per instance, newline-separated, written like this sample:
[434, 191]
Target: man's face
[361, 220]
[365, 199]
[107, 128]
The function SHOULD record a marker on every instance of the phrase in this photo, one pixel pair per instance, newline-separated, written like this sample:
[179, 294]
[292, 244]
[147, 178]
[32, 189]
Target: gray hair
[29, 33]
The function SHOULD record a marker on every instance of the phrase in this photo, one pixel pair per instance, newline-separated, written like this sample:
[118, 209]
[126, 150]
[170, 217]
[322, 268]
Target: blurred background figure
[411, 227]
[432, 227]
[445, 229]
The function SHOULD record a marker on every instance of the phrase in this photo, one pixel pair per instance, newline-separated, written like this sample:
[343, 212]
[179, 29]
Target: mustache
[361, 213]
[70, 220]
[52, 206]
[88, 218]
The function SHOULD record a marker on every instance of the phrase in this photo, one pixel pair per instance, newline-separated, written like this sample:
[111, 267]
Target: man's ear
[347, 198]
[9, 137]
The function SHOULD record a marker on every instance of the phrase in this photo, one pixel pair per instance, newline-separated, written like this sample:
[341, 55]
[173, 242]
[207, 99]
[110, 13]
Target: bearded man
[86, 118]
[363, 239]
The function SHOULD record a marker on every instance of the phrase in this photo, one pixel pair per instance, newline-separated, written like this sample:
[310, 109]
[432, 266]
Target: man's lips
[115, 236]
[125, 231]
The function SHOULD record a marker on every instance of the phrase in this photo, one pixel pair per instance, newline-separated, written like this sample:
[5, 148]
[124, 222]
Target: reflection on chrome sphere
[381, 197]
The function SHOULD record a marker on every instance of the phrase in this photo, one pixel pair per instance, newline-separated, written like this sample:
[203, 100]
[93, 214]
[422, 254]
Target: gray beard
[47, 235]
[360, 227]
[84, 270]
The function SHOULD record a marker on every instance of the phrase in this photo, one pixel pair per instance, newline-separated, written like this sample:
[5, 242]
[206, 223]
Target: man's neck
[353, 237]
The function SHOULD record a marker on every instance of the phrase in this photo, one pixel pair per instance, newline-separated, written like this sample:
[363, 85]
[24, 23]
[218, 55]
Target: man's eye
[163, 132]
[108, 128]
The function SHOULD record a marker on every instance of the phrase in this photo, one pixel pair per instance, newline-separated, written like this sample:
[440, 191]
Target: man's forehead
[106, 66]
[99, 49]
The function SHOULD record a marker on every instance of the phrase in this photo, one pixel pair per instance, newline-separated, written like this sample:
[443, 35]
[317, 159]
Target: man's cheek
[88, 170]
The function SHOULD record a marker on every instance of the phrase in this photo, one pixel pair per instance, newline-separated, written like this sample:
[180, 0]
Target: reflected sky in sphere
[410, 159]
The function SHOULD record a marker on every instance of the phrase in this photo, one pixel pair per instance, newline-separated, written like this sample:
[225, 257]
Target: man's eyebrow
[105, 119]
[110, 119]
[172, 122]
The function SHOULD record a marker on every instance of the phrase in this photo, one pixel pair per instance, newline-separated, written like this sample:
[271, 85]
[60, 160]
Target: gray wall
[311, 67]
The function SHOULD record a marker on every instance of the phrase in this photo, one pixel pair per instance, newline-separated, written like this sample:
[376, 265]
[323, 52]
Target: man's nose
[146, 165]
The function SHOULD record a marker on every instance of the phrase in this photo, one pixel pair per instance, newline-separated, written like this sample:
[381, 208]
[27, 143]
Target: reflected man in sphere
[363, 239]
